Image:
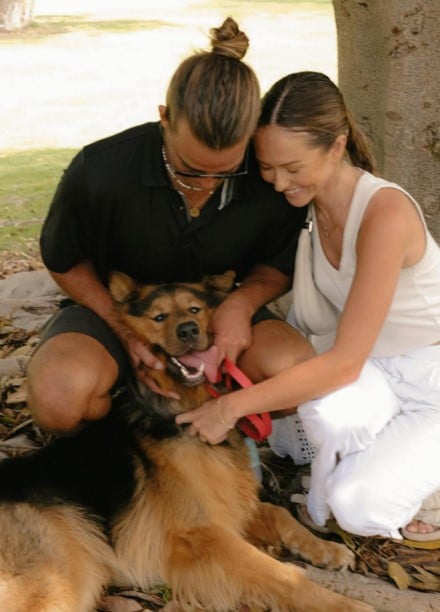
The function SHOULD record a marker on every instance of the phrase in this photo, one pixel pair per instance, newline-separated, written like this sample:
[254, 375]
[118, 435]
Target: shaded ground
[13, 262]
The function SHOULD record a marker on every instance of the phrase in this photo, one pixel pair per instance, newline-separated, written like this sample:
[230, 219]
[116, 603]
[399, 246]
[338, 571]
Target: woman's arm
[391, 237]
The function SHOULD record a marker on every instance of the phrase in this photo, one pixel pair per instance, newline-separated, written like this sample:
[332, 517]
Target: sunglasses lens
[207, 175]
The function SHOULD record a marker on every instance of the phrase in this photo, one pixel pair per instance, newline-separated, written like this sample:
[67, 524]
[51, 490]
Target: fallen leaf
[399, 575]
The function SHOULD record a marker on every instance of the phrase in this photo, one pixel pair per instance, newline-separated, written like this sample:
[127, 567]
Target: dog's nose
[188, 331]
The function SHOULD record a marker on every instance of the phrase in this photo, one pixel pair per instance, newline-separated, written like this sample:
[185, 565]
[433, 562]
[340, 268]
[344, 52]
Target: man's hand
[231, 322]
[82, 284]
[143, 361]
[231, 326]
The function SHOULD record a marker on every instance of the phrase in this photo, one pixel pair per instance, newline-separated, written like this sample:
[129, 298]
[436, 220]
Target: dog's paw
[333, 556]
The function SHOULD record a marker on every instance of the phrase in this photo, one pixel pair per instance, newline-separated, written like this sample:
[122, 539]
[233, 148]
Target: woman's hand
[209, 422]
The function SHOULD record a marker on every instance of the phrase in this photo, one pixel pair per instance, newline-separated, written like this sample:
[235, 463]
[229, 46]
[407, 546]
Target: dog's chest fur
[184, 485]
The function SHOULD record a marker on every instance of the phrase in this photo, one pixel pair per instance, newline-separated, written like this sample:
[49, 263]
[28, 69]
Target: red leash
[255, 426]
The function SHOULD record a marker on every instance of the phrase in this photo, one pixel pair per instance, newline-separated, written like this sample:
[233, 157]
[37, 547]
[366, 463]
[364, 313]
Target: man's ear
[163, 114]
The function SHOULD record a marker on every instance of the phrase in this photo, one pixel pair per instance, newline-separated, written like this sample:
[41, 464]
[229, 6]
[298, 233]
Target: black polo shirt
[115, 206]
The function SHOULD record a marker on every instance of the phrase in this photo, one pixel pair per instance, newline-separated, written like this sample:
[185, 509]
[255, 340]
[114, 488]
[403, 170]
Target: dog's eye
[195, 309]
[160, 317]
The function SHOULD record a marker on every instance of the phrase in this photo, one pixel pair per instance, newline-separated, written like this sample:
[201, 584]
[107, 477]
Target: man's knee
[66, 387]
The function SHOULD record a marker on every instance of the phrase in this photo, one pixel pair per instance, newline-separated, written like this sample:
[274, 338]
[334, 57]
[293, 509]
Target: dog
[132, 499]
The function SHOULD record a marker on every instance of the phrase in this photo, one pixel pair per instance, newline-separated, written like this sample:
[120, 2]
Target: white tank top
[414, 317]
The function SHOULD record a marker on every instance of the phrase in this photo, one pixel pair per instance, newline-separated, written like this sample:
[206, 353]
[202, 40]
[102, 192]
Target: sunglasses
[220, 175]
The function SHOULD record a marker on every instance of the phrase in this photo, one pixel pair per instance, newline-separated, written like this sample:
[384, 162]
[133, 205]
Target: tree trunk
[389, 67]
[15, 14]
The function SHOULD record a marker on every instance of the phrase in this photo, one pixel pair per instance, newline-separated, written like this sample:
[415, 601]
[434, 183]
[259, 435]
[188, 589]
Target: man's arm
[231, 322]
[82, 284]
[261, 286]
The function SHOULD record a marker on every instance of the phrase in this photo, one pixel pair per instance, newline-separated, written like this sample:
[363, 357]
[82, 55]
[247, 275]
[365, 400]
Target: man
[161, 202]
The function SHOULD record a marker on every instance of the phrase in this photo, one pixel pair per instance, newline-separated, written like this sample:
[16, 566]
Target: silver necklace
[174, 176]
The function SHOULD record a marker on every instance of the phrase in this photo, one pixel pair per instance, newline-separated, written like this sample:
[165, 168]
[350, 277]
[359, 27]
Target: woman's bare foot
[416, 526]
[419, 531]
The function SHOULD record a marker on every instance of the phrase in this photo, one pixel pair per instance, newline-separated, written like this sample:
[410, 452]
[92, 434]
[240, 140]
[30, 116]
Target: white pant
[378, 445]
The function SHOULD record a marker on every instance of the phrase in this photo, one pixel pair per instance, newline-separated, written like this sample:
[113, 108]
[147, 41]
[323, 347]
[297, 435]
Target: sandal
[421, 537]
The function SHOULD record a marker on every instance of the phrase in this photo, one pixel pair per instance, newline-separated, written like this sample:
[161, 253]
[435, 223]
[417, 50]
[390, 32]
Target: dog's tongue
[209, 360]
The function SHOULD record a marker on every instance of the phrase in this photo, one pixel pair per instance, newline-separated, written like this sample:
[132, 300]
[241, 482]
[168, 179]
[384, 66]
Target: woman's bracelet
[221, 418]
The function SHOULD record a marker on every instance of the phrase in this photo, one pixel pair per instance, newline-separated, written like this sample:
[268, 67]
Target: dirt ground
[68, 89]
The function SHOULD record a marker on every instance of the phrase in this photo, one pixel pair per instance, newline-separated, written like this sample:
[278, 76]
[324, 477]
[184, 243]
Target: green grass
[52, 25]
[44, 26]
[29, 179]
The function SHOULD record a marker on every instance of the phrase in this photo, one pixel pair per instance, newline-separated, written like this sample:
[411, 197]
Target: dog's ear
[221, 283]
[121, 286]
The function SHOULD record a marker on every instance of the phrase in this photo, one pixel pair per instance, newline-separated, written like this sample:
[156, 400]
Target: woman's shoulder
[372, 191]
[369, 183]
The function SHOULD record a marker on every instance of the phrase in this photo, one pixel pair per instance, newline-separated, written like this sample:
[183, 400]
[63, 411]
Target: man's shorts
[78, 319]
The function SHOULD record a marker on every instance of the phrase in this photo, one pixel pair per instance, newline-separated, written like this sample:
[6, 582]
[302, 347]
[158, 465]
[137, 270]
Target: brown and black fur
[132, 499]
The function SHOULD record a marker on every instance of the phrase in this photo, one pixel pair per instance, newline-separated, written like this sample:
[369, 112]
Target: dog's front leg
[275, 526]
[216, 570]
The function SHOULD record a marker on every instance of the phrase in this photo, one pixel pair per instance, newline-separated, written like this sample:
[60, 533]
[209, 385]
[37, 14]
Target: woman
[370, 404]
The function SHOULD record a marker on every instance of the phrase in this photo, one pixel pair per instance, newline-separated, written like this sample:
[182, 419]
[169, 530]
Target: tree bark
[15, 14]
[389, 66]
